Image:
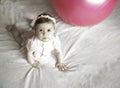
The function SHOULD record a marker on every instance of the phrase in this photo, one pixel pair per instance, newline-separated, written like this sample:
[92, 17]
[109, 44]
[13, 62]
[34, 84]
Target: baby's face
[45, 31]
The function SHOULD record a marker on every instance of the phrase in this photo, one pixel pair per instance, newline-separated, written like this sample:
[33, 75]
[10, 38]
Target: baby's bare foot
[10, 27]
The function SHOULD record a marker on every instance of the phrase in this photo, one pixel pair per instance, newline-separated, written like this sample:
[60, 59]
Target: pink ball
[84, 12]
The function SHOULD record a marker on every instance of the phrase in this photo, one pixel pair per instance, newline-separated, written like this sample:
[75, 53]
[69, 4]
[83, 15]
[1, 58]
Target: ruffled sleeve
[57, 43]
[57, 46]
[30, 45]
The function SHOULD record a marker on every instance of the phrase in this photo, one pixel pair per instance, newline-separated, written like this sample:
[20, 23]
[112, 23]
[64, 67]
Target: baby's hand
[36, 64]
[61, 67]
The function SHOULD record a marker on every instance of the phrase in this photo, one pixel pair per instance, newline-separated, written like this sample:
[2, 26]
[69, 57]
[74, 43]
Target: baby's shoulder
[56, 38]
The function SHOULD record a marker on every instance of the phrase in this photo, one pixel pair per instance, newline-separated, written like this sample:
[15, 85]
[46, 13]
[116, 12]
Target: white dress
[43, 51]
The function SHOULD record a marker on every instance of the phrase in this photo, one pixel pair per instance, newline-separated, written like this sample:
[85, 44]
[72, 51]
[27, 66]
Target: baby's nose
[44, 33]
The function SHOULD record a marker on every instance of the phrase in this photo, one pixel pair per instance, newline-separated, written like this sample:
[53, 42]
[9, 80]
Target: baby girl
[43, 44]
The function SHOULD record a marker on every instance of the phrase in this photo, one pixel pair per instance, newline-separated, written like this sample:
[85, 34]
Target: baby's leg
[16, 33]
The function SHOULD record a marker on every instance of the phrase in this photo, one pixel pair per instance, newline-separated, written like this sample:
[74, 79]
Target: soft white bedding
[93, 52]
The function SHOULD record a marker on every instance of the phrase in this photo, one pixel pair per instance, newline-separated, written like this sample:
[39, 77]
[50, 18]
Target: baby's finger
[65, 68]
[62, 68]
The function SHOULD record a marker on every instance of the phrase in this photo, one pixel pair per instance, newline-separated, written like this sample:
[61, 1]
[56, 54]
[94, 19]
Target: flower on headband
[43, 16]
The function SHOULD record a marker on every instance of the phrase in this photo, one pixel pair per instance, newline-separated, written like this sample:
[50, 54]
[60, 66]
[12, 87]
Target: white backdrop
[94, 50]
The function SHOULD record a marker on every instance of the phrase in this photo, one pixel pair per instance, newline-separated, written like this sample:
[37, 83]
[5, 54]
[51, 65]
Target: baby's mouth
[45, 38]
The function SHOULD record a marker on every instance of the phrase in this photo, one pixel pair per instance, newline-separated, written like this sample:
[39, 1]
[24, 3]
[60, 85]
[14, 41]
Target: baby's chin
[45, 39]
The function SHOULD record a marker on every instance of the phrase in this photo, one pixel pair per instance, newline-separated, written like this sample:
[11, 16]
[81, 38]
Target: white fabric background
[94, 50]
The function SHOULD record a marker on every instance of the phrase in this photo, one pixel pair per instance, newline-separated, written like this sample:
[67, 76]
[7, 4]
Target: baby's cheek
[40, 35]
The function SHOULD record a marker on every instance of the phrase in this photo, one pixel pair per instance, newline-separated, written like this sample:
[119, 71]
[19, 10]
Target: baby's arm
[31, 61]
[61, 66]
[58, 55]
[30, 56]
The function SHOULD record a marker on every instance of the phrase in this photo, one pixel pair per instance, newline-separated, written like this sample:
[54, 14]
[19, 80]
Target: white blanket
[91, 53]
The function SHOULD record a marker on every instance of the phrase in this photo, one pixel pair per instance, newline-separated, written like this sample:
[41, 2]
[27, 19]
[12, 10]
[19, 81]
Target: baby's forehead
[46, 25]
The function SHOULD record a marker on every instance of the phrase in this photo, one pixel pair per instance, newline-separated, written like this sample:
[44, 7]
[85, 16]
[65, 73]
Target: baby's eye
[48, 30]
[40, 30]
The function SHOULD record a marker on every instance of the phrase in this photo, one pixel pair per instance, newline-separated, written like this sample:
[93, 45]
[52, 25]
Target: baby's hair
[44, 14]
[41, 20]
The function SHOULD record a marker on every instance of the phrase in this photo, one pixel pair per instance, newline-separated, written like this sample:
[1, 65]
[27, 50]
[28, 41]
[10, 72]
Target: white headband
[47, 16]
[43, 16]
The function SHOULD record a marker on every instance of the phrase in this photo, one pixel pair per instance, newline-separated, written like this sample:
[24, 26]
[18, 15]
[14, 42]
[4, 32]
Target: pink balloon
[84, 12]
